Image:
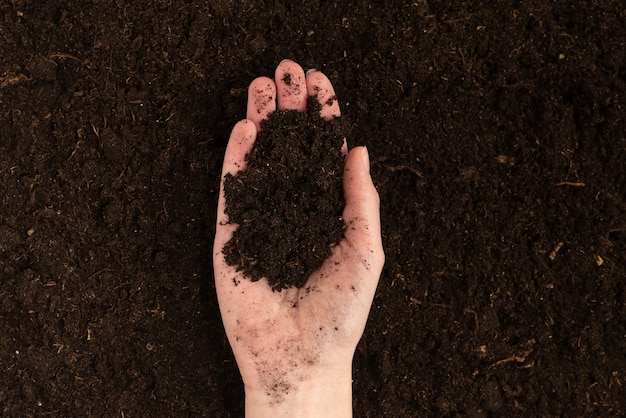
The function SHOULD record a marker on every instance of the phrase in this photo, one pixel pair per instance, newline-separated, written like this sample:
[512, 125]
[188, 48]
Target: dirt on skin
[496, 132]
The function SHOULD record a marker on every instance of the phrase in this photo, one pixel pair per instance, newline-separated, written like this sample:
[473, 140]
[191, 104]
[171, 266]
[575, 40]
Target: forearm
[328, 395]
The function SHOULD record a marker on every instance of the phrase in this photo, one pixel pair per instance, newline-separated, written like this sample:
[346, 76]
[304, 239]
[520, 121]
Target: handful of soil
[288, 202]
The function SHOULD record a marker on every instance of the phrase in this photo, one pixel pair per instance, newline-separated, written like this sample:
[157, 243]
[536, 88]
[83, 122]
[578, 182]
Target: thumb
[362, 206]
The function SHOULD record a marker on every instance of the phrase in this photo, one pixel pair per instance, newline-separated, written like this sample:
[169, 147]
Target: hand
[294, 348]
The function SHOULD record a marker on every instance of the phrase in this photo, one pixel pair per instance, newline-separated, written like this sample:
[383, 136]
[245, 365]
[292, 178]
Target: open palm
[282, 340]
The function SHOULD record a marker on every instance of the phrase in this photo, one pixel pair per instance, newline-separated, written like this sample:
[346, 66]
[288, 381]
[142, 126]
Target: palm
[277, 336]
[280, 338]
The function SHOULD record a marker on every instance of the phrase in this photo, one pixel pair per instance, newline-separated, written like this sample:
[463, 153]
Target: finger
[261, 100]
[319, 86]
[240, 143]
[362, 206]
[290, 86]
[357, 260]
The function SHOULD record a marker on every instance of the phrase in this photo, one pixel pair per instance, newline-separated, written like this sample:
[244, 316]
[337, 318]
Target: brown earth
[288, 202]
[497, 136]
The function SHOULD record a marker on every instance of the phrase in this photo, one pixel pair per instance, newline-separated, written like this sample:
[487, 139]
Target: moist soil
[496, 132]
[288, 201]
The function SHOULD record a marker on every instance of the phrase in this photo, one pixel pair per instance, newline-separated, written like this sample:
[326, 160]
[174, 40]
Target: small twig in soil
[571, 183]
[12, 80]
[556, 250]
[516, 358]
[102, 270]
[405, 167]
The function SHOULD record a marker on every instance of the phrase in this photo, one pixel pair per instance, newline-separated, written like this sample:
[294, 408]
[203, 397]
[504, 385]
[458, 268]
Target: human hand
[294, 348]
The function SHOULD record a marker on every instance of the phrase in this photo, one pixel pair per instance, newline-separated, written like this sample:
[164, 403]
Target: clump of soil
[288, 202]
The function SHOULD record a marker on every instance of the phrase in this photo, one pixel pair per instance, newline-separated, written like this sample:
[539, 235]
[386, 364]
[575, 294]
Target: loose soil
[497, 138]
[288, 201]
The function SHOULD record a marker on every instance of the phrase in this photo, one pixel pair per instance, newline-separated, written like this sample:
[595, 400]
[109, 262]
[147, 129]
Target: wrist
[325, 393]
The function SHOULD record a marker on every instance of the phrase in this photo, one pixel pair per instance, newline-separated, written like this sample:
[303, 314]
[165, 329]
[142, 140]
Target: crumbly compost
[288, 202]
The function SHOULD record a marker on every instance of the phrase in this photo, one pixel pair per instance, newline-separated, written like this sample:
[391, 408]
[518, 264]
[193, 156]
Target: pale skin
[294, 348]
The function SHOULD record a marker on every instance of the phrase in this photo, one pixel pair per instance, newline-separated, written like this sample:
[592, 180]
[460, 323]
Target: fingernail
[286, 60]
[312, 70]
[365, 158]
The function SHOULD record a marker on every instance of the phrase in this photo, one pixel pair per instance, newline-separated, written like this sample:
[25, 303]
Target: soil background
[497, 136]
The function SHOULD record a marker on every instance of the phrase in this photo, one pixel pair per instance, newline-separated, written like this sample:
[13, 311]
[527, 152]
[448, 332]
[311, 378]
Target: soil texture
[288, 200]
[497, 138]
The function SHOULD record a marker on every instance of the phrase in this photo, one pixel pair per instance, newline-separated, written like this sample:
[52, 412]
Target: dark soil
[497, 137]
[288, 201]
